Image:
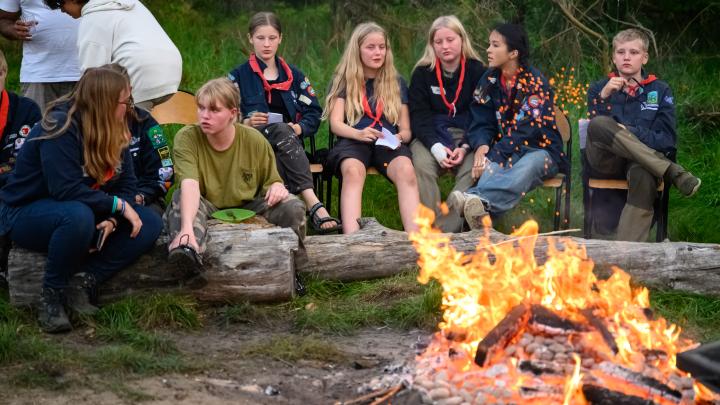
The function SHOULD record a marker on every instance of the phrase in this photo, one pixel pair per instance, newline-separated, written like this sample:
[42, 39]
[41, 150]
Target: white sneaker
[474, 211]
[456, 202]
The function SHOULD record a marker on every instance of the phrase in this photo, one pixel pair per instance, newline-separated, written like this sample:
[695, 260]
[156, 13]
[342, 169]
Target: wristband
[122, 210]
[114, 205]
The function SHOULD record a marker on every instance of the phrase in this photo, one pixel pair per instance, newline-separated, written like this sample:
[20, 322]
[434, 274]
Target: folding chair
[660, 217]
[561, 183]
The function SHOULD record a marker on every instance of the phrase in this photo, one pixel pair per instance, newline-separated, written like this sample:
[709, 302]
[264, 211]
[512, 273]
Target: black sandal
[317, 222]
[186, 264]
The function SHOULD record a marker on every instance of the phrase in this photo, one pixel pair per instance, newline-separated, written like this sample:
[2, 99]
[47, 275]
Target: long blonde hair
[93, 103]
[452, 23]
[349, 76]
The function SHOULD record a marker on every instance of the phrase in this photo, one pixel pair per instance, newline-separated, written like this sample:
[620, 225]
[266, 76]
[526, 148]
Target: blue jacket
[512, 125]
[23, 113]
[300, 101]
[53, 168]
[650, 114]
[150, 152]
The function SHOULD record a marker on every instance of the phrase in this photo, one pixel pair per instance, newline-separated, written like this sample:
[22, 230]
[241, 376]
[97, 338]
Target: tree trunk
[254, 262]
[247, 262]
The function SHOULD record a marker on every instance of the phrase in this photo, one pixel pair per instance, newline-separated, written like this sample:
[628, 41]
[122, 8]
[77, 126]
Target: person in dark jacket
[630, 135]
[278, 100]
[71, 195]
[17, 117]
[512, 132]
[440, 94]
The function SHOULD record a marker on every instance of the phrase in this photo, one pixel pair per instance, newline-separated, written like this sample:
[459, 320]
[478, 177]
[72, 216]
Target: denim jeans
[65, 229]
[501, 188]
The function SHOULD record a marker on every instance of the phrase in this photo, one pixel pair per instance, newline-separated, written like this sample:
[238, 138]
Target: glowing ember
[565, 335]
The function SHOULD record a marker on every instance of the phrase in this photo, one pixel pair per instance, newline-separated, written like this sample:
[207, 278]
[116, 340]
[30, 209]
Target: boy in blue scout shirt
[630, 135]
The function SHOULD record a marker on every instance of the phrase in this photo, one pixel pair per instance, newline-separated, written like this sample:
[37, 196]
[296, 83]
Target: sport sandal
[317, 222]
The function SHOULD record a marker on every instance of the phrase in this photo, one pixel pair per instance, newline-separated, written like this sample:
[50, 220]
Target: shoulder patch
[24, 131]
[652, 97]
[157, 138]
[668, 99]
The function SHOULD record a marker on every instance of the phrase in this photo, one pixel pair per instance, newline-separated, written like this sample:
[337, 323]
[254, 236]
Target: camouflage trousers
[290, 213]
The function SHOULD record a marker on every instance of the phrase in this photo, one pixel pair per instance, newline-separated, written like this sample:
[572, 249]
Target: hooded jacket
[125, 32]
[649, 113]
[512, 124]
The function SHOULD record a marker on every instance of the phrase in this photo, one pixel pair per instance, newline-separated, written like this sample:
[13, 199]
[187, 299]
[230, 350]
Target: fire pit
[515, 331]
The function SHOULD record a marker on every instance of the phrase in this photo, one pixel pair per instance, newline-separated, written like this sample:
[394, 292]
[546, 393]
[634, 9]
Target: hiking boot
[456, 202]
[52, 316]
[185, 262]
[687, 184]
[474, 211]
[81, 293]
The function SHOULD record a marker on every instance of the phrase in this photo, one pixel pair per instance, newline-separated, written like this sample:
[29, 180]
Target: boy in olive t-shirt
[222, 164]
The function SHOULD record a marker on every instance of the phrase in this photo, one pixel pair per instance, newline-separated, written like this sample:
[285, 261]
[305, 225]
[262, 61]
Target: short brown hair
[631, 34]
[220, 91]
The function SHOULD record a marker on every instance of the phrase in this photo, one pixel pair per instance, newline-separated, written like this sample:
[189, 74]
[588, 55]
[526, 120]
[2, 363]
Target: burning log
[599, 325]
[639, 380]
[503, 333]
[547, 321]
[597, 395]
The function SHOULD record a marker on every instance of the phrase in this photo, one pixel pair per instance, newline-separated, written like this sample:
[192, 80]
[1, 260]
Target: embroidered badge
[157, 138]
[166, 162]
[534, 101]
[435, 89]
[231, 77]
[311, 91]
[536, 112]
[305, 99]
[164, 152]
[19, 143]
[668, 99]
[165, 173]
[24, 130]
[247, 176]
[652, 97]
[476, 94]
[492, 80]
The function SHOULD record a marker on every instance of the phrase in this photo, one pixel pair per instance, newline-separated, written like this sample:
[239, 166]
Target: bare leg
[401, 172]
[353, 180]
[308, 195]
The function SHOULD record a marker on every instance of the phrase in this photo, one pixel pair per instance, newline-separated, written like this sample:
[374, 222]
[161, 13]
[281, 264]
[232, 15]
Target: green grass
[291, 348]
[698, 315]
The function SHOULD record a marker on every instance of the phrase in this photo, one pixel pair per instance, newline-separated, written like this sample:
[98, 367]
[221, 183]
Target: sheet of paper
[388, 139]
[582, 131]
[274, 118]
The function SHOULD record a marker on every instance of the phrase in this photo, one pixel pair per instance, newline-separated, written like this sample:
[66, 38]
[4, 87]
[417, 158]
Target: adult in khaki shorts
[631, 130]
[441, 91]
[219, 164]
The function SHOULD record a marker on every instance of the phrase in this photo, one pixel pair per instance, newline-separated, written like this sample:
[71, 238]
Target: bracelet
[114, 222]
[122, 211]
[114, 205]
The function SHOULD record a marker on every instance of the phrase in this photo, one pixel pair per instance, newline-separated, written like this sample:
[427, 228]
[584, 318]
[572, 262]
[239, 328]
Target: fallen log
[376, 251]
[254, 262]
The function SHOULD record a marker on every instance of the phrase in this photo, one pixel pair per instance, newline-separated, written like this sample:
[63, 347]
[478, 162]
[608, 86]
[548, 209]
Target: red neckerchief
[109, 173]
[378, 109]
[452, 109]
[503, 84]
[632, 89]
[4, 109]
[284, 86]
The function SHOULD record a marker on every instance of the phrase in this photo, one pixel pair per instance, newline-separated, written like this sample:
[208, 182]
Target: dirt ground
[230, 377]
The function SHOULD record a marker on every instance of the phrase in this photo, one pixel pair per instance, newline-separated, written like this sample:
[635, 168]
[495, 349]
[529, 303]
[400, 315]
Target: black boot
[52, 316]
[81, 294]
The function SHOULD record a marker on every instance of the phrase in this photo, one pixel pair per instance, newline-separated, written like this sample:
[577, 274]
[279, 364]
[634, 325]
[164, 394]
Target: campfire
[515, 331]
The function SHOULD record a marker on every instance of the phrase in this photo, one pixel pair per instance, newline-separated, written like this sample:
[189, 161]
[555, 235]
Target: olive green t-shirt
[228, 178]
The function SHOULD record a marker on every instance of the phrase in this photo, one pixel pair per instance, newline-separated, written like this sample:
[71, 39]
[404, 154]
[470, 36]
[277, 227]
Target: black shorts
[369, 154]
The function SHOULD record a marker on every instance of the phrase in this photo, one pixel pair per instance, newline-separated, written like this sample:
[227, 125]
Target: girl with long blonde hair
[367, 110]
[71, 195]
[441, 91]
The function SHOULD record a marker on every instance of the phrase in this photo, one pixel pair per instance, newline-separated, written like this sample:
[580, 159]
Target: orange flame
[480, 289]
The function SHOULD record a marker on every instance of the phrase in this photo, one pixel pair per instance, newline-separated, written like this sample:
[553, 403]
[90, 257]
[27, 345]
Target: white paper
[582, 131]
[388, 139]
[274, 118]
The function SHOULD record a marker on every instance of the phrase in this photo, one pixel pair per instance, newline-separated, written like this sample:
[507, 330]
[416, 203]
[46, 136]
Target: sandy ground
[232, 378]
